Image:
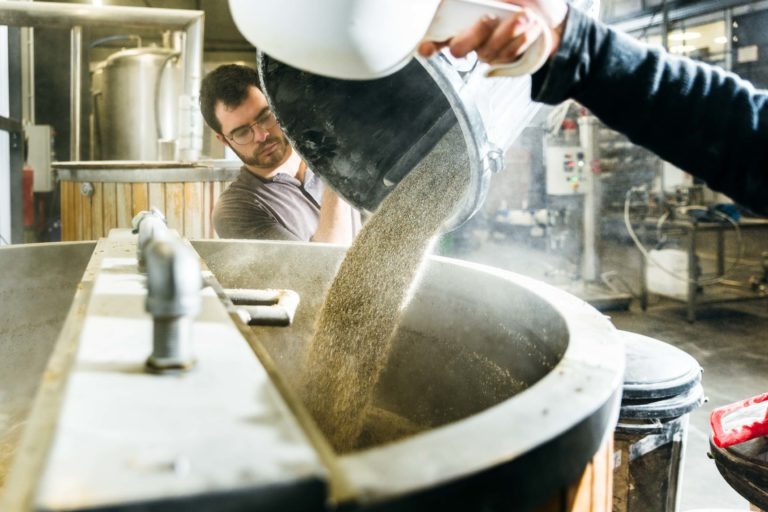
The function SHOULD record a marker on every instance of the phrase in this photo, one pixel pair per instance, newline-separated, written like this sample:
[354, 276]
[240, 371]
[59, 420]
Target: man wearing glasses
[275, 197]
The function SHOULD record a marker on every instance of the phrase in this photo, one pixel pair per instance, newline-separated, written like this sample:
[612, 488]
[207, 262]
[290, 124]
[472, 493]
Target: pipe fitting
[150, 226]
[174, 283]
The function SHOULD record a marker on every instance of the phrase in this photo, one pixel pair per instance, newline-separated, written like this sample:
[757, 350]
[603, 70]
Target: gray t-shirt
[281, 208]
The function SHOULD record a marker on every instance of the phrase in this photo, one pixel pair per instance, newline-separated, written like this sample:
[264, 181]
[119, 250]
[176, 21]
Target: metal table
[690, 228]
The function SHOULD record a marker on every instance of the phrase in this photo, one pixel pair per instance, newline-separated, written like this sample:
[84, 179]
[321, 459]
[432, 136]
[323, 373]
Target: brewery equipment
[102, 195]
[364, 136]
[517, 391]
[75, 17]
[135, 104]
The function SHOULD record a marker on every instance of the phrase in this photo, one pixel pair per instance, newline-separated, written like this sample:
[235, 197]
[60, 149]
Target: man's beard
[256, 159]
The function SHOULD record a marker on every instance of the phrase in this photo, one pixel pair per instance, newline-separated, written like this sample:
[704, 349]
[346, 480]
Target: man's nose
[259, 133]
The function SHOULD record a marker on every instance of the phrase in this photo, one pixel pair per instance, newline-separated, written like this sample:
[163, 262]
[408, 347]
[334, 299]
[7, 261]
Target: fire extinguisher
[28, 195]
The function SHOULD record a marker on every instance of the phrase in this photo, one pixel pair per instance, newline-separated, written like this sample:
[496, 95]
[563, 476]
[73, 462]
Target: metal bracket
[10, 125]
[264, 307]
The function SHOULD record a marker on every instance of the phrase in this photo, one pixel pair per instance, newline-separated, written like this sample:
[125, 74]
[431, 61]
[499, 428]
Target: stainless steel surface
[501, 367]
[37, 290]
[57, 15]
[136, 103]
[64, 15]
[220, 434]
[147, 172]
[31, 317]
[518, 382]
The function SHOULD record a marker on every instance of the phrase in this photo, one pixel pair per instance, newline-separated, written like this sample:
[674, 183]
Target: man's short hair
[228, 84]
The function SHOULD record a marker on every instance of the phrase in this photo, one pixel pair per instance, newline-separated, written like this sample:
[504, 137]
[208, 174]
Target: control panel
[567, 170]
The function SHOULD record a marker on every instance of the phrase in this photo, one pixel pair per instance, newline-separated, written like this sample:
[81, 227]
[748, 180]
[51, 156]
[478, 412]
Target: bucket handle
[452, 18]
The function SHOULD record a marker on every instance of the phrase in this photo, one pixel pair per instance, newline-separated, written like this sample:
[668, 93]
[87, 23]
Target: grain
[355, 326]
[11, 428]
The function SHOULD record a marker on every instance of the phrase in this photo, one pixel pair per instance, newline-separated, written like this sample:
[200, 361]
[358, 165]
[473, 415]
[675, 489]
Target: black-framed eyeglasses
[245, 134]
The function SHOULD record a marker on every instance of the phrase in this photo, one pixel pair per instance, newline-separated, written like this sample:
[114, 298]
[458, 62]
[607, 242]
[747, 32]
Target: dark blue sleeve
[702, 119]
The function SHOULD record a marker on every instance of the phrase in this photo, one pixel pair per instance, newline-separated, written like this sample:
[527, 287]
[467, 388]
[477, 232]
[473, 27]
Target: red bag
[740, 421]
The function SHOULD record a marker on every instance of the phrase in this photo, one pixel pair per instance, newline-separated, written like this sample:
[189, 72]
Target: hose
[660, 224]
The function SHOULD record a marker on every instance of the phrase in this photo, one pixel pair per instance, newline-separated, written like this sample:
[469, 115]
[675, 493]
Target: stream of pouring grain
[361, 310]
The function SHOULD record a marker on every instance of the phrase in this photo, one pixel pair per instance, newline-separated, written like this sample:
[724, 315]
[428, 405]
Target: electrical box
[567, 170]
[40, 154]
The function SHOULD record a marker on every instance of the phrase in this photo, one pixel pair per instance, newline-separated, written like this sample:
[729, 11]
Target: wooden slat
[140, 198]
[67, 231]
[207, 209]
[193, 210]
[63, 211]
[218, 188]
[78, 211]
[174, 206]
[72, 211]
[594, 490]
[97, 211]
[109, 207]
[156, 196]
[603, 468]
[87, 215]
[124, 204]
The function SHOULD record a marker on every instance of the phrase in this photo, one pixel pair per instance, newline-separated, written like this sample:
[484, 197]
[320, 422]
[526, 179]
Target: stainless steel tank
[518, 382]
[135, 104]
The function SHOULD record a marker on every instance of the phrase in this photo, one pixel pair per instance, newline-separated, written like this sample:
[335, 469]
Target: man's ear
[222, 139]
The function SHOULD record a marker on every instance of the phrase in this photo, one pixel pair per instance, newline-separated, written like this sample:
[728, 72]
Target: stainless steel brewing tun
[135, 97]
[518, 384]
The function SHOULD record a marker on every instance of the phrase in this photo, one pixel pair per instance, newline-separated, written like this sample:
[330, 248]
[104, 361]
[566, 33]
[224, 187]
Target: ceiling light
[721, 40]
[683, 36]
[683, 48]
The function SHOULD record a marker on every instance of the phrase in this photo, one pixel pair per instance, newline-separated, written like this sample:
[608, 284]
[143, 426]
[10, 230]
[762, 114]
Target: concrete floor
[729, 342]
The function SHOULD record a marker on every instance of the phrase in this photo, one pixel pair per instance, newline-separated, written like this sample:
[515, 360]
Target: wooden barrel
[99, 196]
[593, 492]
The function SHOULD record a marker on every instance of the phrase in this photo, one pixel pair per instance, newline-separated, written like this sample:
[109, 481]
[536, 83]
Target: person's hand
[501, 41]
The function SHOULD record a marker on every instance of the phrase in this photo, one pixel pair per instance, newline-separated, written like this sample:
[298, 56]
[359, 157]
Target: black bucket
[745, 467]
[662, 385]
[364, 137]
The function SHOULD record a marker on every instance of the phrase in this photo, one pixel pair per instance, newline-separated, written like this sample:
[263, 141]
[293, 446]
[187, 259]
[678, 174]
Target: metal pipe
[55, 15]
[150, 226]
[589, 135]
[664, 25]
[28, 40]
[60, 15]
[634, 23]
[729, 37]
[75, 91]
[191, 127]
[174, 282]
